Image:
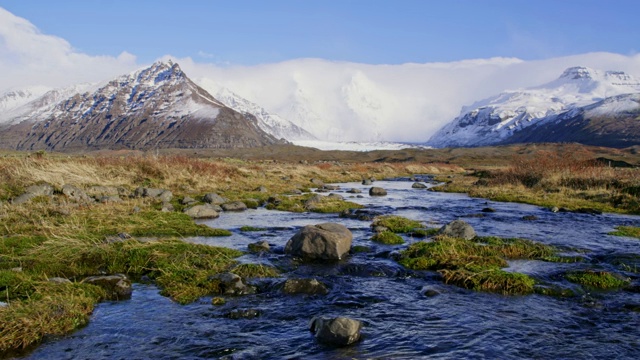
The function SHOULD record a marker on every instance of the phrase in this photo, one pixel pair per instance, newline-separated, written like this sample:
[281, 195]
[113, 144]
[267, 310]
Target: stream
[400, 322]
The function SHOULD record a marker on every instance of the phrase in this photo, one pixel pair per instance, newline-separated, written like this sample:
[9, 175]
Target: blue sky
[246, 32]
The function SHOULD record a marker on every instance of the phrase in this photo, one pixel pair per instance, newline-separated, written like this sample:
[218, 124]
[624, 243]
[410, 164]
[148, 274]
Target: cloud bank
[333, 100]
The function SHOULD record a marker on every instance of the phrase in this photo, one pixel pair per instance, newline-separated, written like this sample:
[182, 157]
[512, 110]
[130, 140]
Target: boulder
[152, 192]
[340, 331]
[32, 192]
[354, 191]
[118, 287]
[326, 241]
[165, 196]
[76, 194]
[418, 185]
[231, 284]
[234, 206]
[202, 212]
[366, 182]
[377, 191]
[304, 286]
[260, 246]
[317, 182]
[331, 187]
[99, 191]
[458, 229]
[213, 198]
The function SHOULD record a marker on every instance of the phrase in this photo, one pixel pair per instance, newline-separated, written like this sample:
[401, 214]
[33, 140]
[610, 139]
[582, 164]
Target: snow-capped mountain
[270, 123]
[496, 119]
[15, 98]
[612, 122]
[156, 107]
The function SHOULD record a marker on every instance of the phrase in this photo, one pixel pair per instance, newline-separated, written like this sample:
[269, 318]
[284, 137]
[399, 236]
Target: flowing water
[400, 321]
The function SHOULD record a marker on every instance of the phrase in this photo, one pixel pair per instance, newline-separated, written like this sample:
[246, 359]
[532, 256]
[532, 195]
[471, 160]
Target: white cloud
[350, 101]
[29, 57]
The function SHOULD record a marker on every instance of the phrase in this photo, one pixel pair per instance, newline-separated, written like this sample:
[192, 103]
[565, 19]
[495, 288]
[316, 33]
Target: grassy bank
[569, 179]
[54, 236]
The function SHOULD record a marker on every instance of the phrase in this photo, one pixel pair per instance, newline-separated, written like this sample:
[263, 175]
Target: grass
[248, 228]
[566, 177]
[476, 264]
[628, 231]
[50, 237]
[255, 271]
[302, 203]
[388, 238]
[397, 224]
[601, 280]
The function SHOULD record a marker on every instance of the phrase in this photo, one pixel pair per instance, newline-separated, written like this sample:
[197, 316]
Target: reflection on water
[400, 322]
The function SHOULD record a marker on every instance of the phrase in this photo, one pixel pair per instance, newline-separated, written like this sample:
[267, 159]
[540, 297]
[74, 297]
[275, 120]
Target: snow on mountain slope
[15, 98]
[497, 118]
[41, 107]
[268, 122]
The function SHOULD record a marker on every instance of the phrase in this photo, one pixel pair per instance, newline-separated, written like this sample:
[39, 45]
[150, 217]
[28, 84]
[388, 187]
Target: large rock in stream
[326, 241]
[340, 331]
[458, 229]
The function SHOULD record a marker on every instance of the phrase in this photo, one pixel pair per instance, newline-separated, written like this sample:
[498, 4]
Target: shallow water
[400, 322]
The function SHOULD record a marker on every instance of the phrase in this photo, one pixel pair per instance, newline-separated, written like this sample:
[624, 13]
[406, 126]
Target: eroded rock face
[340, 331]
[202, 212]
[326, 241]
[118, 287]
[458, 229]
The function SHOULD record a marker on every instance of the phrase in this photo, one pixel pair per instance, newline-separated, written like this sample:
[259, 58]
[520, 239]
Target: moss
[388, 238]
[255, 271]
[628, 231]
[562, 259]
[360, 249]
[596, 279]
[300, 203]
[555, 291]
[490, 280]
[397, 224]
[476, 264]
[248, 228]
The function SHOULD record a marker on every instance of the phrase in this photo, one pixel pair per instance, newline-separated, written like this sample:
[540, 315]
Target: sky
[249, 32]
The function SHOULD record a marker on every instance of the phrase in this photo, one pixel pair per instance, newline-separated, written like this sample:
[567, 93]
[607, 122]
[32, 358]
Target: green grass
[490, 280]
[255, 271]
[422, 233]
[628, 231]
[388, 238]
[476, 264]
[248, 228]
[299, 204]
[397, 224]
[596, 279]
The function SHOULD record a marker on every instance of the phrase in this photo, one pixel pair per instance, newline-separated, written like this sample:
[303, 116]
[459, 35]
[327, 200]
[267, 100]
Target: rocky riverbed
[404, 313]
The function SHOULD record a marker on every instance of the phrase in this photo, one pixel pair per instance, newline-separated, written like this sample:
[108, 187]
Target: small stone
[340, 331]
[304, 286]
[366, 182]
[206, 211]
[136, 209]
[218, 301]
[260, 246]
[213, 198]
[354, 191]
[59, 280]
[187, 200]
[418, 185]
[488, 210]
[243, 314]
[555, 209]
[529, 217]
[234, 206]
[118, 286]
